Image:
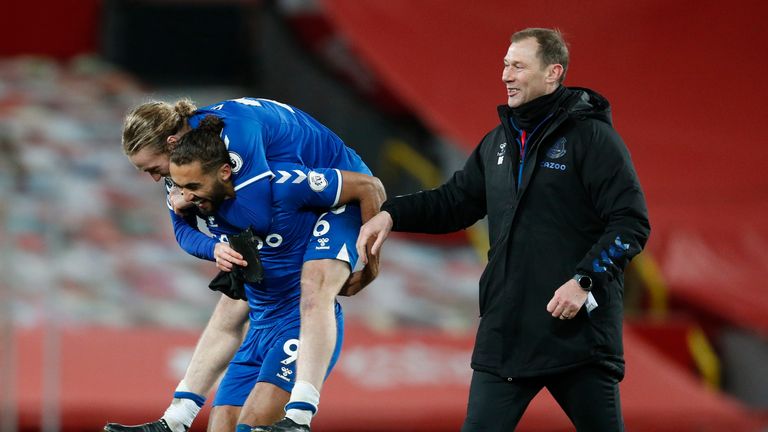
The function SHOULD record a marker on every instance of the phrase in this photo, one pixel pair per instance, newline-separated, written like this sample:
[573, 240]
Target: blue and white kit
[271, 145]
[296, 235]
[258, 132]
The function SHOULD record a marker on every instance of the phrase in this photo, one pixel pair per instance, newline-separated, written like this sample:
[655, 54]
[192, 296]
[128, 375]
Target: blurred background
[100, 309]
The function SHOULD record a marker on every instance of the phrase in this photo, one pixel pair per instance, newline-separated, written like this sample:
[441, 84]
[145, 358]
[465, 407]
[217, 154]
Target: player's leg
[321, 282]
[280, 346]
[284, 377]
[241, 376]
[589, 395]
[330, 257]
[329, 262]
[218, 342]
[264, 406]
[223, 418]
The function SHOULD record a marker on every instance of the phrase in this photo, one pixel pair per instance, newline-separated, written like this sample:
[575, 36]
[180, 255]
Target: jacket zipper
[521, 146]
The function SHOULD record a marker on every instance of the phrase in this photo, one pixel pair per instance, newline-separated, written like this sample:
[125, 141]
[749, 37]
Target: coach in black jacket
[566, 214]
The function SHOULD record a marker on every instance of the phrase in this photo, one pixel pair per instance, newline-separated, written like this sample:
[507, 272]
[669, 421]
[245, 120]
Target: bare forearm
[371, 202]
[367, 190]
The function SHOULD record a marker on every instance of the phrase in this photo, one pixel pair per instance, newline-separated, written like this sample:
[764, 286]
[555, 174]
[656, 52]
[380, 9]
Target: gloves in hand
[232, 283]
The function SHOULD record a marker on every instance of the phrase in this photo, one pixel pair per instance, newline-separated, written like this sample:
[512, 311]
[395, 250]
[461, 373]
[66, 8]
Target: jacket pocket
[483, 291]
[484, 278]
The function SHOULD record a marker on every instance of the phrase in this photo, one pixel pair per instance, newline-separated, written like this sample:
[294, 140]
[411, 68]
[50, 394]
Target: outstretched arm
[366, 190]
[370, 193]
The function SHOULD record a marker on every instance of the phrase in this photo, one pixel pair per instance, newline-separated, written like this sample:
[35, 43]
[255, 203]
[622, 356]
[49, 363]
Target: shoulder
[492, 137]
[288, 177]
[493, 142]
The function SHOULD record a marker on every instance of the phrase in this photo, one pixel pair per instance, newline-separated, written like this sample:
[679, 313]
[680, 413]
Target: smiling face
[525, 76]
[206, 190]
[151, 162]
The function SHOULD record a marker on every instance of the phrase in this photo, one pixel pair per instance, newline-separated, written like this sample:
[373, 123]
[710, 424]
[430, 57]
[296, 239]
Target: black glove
[232, 283]
[229, 284]
[245, 243]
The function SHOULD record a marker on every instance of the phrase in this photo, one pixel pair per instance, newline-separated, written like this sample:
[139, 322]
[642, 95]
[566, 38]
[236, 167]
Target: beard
[218, 195]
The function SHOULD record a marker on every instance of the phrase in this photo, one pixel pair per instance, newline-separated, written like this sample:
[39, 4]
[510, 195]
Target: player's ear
[554, 72]
[172, 141]
[225, 173]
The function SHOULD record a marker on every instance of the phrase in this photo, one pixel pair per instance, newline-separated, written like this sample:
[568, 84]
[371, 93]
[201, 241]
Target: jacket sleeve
[455, 205]
[191, 239]
[611, 181]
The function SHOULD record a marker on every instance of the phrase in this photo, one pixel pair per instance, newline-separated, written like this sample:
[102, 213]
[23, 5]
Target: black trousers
[589, 395]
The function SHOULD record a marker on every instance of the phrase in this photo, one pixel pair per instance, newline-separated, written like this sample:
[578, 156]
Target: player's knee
[321, 281]
[315, 299]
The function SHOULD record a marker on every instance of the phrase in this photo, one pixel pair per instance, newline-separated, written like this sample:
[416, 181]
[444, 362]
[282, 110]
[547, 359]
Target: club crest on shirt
[237, 161]
[558, 149]
[317, 181]
[500, 154]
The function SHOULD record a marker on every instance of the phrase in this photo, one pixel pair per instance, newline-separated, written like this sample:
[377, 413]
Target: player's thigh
[331, 254]
[229, 316]
[223, 418]
[496, 404]
[590, 397]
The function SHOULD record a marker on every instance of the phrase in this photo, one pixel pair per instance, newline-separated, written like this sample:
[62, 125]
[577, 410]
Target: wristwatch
[584, 281]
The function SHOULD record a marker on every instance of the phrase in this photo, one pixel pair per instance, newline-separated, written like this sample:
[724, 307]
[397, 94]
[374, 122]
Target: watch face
[585, 282]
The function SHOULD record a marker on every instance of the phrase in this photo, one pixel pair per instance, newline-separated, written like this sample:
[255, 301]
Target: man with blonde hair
[256, 133]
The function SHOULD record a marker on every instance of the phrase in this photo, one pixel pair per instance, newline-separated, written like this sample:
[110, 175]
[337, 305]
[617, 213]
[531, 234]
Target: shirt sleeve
[191, 239]
[296, 186]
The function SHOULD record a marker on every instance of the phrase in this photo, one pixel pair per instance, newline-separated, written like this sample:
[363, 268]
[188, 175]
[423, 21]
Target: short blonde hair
[151, 123]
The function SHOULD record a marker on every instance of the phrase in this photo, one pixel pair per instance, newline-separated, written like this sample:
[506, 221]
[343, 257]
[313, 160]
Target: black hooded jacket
[578, 209]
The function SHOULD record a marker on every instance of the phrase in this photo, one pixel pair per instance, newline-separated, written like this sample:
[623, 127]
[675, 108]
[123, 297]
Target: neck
[531, 114]
[229, 190]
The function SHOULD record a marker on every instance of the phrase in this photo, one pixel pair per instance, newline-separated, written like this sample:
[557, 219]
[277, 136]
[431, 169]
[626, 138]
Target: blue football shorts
[268, 355]
[335, 235]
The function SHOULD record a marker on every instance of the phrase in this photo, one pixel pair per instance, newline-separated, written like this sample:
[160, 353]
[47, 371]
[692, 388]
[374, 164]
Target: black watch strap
[584, 281]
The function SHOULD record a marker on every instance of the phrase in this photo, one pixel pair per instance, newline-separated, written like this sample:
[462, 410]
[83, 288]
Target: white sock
[183, 409]
[303, 403]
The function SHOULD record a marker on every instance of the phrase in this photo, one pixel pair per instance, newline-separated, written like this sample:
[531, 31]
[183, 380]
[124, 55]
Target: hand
[179, 204]
[226, 257]
[378, 227]
[360, 279]
[567, 301]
